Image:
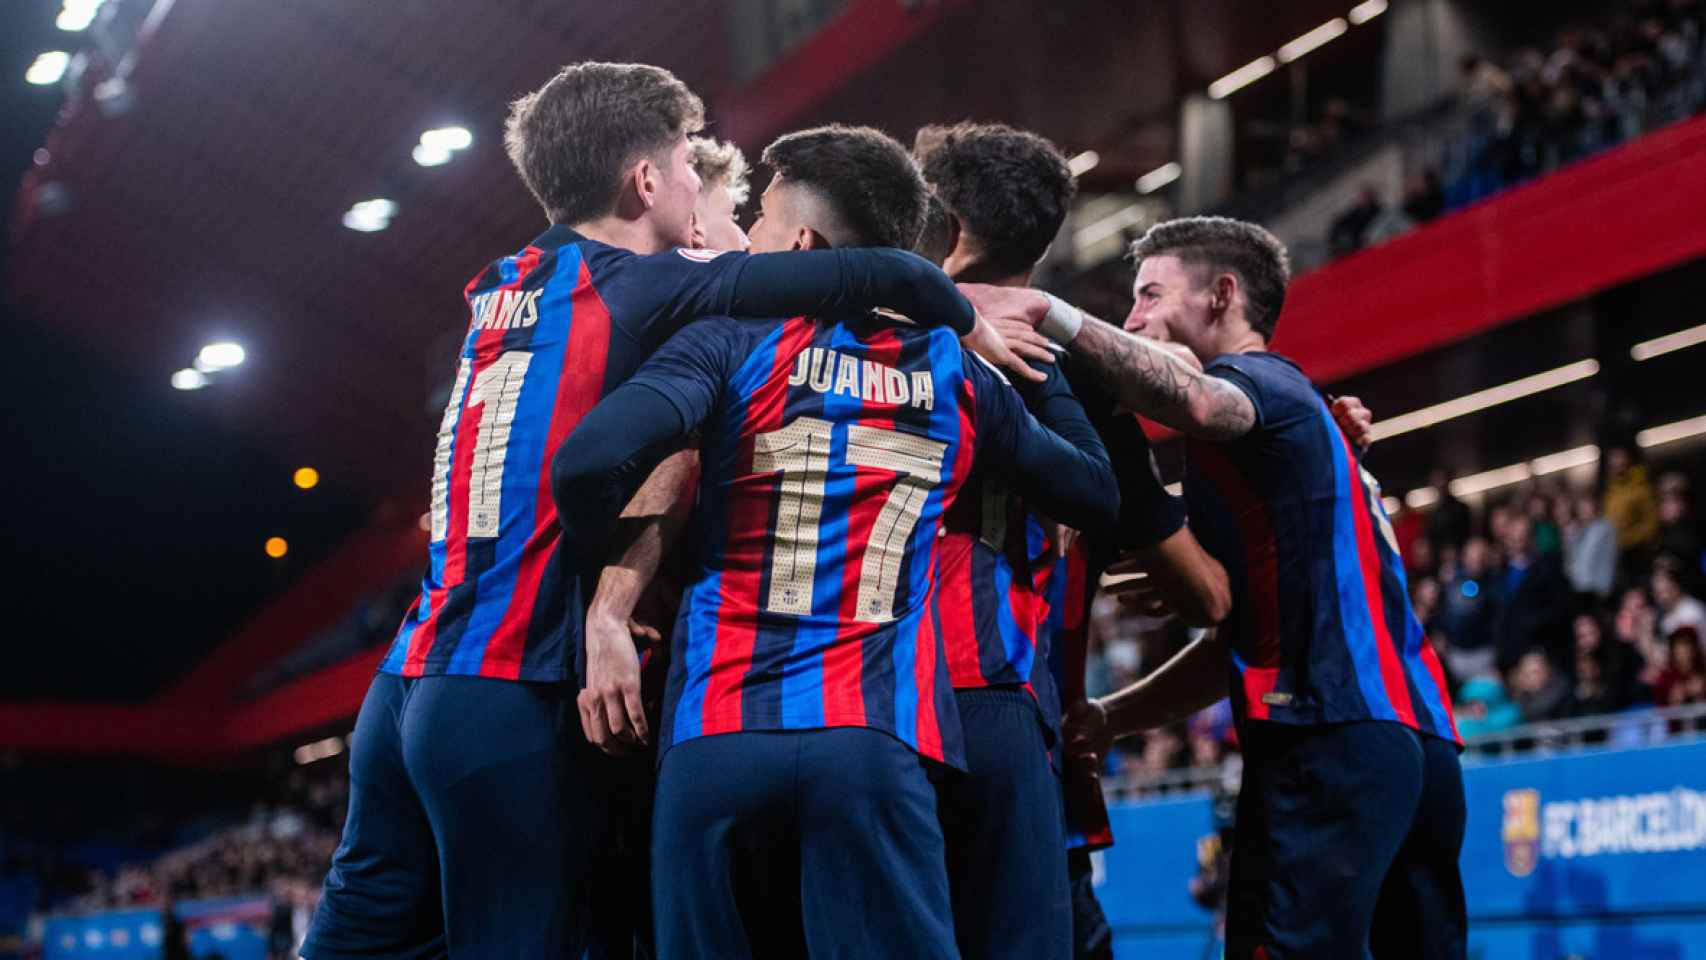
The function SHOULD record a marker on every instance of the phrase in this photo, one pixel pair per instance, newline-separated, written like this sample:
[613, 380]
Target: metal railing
[1629, 729]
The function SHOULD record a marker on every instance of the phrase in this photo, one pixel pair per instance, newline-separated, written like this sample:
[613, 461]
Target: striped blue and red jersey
[1321, 629]
[828, 453]
[992, 556]
[551, 330]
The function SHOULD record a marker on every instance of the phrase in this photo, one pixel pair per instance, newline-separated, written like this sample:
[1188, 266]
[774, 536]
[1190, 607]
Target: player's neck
[623, 233]
[972, 270]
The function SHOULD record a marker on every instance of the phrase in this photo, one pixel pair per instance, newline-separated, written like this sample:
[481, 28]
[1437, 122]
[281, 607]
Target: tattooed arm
[1168, 387]
[1161, 381]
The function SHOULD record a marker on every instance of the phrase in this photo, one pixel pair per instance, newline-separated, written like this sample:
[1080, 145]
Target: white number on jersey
[800, 451]
[495, 395]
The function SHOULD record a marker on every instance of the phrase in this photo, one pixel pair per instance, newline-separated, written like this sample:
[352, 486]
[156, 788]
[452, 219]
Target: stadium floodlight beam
[1084, 162]
[76, 15]
[1240, 78]
[1366, 11]
[369, 216]
[189, 379]
[1658, 346]
[47, 68]
[220, 356]
[430, 156]
[1671, 432]
[448, 139]
[1159, 177]
[1482, 399]
[1325, 33]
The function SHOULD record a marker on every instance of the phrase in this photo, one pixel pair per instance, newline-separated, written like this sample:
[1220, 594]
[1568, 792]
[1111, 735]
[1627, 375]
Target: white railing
[1626, 730]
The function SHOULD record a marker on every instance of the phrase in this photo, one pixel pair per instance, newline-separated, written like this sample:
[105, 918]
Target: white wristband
[1062, 322]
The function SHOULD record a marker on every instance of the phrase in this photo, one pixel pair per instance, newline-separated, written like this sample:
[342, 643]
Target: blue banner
[1600, 854]
[232, 928]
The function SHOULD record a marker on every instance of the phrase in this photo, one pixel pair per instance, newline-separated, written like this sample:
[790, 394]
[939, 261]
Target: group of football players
[874, 479]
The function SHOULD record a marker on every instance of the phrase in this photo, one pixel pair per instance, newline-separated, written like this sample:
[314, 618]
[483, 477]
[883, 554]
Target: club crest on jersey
[829, 371]
[700, 256]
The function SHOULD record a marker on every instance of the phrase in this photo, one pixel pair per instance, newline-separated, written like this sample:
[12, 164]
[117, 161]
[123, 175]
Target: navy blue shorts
[1346, 845]
[475, 807]
[1005, 833]
[1092, 939]
[762, 841]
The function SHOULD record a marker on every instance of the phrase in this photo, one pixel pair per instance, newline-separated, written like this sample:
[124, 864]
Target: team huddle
[874, 480]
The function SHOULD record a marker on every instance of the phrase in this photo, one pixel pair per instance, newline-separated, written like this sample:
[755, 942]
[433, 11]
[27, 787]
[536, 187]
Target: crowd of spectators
[279, 850]
[1538, 110]
[1548, 605]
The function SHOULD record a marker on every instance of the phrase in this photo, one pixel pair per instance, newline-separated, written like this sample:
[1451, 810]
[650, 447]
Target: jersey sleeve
[1066, 474]
[618, 443]
[692, 368]
[1278, 391]
[674, 288]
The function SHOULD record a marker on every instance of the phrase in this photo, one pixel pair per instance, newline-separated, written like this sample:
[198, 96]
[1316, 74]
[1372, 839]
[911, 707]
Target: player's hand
[612, 716]
[1063, 537]
[987, 342]
[1133, 588]
[1085, 731]
[1356, 420]
[1007, 303]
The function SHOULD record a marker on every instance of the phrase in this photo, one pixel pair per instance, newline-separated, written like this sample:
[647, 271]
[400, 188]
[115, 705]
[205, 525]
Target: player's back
[991, 559]
[551, 330]
[827, 462]
[1321, 629]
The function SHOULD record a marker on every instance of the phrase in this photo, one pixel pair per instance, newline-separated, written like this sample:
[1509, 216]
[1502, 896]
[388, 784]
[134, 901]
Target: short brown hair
[1224, 245]
[574, 138]
[868, 179]
[1010, 188]
[720, 163]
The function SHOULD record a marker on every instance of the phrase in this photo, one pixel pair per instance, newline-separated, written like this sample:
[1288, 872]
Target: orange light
[277, 547]
[306, 477]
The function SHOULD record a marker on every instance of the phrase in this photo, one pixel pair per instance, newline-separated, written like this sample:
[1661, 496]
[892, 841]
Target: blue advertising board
[232, 928]
[1600, 854]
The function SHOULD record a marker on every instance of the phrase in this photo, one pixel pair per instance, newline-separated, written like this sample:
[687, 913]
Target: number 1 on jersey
[496, 394]
[800, 451]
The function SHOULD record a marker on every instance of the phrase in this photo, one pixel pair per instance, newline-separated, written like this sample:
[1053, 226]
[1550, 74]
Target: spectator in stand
[1348, 232]
[1469, 609]
[1590, 549]
[1678, 536]
[1617, 662]
[1539, 691]
[1676, 608]
[1449, 524]
[1629, 502]
[1424, 599]
[1423, 198]
[1537, 602]
[1483, 708]
[1595, 692]
[1547, 537]
[1637, 628]
[1683, 680]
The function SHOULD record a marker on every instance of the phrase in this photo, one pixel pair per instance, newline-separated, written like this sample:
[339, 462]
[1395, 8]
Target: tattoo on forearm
[1152, 381]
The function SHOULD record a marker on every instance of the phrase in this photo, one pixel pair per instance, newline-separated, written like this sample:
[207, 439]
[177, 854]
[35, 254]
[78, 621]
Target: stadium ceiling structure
[211, 204]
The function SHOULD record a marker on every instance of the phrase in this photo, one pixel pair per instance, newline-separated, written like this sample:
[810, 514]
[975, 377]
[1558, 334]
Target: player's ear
[644, 180]
[808, 239]
[1220, 295]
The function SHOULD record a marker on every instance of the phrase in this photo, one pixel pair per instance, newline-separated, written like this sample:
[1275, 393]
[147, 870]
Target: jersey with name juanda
[829, 451]
[550, 331]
